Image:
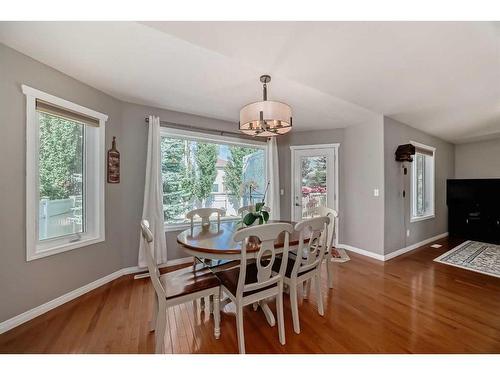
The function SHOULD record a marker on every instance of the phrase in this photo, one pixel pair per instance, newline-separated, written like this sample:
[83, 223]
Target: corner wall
[397, 209]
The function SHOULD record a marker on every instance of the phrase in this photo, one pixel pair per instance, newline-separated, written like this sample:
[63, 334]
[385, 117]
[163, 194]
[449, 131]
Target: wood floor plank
[409, 304]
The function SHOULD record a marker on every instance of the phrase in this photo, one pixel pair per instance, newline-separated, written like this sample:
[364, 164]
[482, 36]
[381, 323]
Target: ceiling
[440, 77]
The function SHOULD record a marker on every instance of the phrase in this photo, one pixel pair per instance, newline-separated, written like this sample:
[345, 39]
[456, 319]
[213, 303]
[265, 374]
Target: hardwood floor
[409, 304]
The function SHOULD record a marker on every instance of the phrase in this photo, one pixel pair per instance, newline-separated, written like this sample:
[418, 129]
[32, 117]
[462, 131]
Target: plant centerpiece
[261, 214]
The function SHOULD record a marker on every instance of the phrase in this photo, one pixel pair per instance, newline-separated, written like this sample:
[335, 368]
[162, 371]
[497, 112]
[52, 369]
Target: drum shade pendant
[266, 118]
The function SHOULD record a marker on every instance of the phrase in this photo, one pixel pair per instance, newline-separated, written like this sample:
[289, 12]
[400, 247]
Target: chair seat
[229, 278]
[289, 267]
[188, 280]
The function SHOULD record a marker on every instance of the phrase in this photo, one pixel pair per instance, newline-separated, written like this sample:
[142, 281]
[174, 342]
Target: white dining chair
[332, 233]
[254, 280]
[242, 211]
[204, 214]
[306, 265]
[177, 287]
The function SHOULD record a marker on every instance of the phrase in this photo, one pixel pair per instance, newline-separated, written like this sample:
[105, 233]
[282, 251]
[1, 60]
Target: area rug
[339, 255]
[474, 256]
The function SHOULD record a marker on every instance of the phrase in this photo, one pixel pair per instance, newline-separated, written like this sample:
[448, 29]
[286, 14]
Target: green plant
[260, 214]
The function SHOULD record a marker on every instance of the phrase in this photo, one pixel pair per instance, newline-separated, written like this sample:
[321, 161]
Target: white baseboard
[42, 309]
[365, 253]
[414, 246]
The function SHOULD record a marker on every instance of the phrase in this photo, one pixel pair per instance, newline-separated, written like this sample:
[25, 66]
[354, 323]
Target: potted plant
[260, 212]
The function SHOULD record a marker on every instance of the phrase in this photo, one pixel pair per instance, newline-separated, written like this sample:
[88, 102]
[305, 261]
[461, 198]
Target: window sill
[37, 254]
[421, 218]
[184, 226]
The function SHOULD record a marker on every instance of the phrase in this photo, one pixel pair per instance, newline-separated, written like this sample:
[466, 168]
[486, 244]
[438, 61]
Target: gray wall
[397, 210]
[362, 225]
[28, 284]
[478, 159]
[360, 171]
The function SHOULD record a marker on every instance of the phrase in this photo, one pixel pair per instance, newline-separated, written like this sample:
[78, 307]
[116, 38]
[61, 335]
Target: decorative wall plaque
[113, 164]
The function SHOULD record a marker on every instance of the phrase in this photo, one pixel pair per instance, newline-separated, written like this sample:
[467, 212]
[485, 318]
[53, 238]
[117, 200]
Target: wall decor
[113, 164]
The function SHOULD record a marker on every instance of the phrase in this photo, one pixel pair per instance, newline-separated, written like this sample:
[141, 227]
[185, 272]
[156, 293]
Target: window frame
[94, 169]
[212, 138]
[432, 211]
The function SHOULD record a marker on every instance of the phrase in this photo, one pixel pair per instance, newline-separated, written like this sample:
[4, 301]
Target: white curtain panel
[152, 208]
[273, 173]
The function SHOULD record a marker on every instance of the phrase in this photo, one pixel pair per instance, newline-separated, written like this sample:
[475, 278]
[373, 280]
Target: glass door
[314, 180]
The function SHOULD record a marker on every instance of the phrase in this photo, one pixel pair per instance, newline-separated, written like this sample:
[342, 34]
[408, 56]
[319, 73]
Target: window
[422, 183]
[65, 175]
[201, 170]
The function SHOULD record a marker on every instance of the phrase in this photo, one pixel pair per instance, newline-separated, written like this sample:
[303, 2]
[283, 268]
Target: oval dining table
[216, 242]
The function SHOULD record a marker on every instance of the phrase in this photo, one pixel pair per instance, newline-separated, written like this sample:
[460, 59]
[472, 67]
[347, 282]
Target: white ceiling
[440, 77]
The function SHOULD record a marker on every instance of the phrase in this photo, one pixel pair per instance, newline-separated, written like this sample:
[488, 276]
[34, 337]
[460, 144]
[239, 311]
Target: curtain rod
[196, 128]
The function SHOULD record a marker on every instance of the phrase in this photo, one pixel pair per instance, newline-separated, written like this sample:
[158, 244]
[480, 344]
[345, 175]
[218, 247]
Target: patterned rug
[474, 256]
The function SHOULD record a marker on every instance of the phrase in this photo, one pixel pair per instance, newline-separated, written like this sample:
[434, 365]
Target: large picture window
[422, 183]
[201, 170]
[65, 175]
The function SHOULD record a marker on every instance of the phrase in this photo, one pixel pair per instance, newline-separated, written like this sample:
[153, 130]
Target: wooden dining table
[216, 242]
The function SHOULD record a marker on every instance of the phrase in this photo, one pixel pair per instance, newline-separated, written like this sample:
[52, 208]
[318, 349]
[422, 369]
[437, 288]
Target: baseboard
[52, 304]
[42, 309]
[365, 253]
[414, 246]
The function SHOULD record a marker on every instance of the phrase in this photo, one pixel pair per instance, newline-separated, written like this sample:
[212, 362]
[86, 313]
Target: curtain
[152, 208]
[273, 173]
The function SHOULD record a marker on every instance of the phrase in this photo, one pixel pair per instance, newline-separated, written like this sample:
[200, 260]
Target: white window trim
[432, 215]
[206, 137]
[55, 246]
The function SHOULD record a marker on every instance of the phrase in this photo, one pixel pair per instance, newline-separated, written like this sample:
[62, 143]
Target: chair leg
[307, 289]
[216, 309]
[239, 327]
[280, 317]
[329, 270]
[294, 305]
[211, 304]
[161, 324]
[152, 324]
[319, 297]
[202, 303]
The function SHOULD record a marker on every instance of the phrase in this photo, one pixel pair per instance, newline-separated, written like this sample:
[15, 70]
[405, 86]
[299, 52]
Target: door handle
[297, 205]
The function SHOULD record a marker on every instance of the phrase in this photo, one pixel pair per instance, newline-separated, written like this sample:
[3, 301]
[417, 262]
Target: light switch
[282, 191]
[375, 192]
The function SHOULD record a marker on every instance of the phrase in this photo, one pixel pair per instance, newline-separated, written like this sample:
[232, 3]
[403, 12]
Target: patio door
[314, 179]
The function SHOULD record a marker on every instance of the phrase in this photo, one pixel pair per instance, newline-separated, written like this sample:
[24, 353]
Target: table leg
[267, 313]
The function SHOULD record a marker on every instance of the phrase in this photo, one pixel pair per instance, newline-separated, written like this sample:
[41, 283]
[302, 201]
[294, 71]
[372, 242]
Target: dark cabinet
[474, 209]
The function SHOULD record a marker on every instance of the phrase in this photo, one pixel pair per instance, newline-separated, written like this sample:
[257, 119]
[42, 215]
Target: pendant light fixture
[266, 118]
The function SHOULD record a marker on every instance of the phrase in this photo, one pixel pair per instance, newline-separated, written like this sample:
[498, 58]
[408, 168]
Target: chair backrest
[263, 236]
[204, 214]
[332, 227]
[154, 272]
[310, 253]
[251, 208]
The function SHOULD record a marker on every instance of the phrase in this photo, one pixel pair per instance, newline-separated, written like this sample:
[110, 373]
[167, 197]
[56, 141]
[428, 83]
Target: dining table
[215, 242]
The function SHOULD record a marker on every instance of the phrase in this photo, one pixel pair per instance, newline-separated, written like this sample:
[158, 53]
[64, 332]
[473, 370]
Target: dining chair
[332, 233]
[204, 214]
[242, 211]
[177, 287]
[254, 279]
[306, 264]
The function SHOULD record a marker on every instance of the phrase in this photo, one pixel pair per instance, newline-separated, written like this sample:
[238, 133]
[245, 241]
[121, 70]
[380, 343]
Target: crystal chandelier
[266, 118]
